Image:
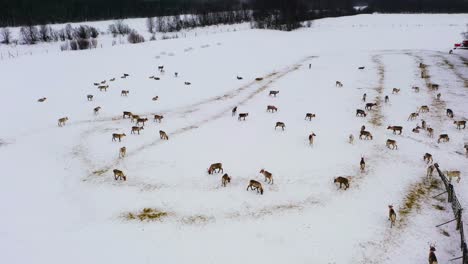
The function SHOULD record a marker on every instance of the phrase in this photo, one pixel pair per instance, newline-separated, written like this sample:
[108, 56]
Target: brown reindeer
[216, 168]
[370, 105]
[362, 164]
[391, 143]
[274, 93]
[413, 116]
[134, 117]
[272, 108]
[453, 174]
[62, 121]
[268, 176]
[187, 83]
[428, 158]
[103, 87]
[225, 180]
[449, 113]
[255, 185]
[466, 148]
[391, 215]
[242, 116]
[111, 80]
[366, 134]
[430, 171]
[338, 84]
[430, 131]
[363, 127]
[342, 181]
[424, 109]
[41, 100]
[434, 87]
[259, 79]
[122, 152]
[311, 139]
[395, 129]
[119, 136]
[415, 89]
[96, 110]
[460, 124]
[158, 118]
[387, 99]
[309, 116]
[155, 98]
[89, 97]
[127, 114]
[395, 91]
[280, 124]
[96, 84]
[136, 129]
[118, 174]
[351, 139]
[360, 112]
[124, 93]
[103, 82]
[423, 124]
[416, 129]
[163, 135]
[443, 138]
[432, 256]
[364, 96]
[141, 121]
[234, 111]
[438, 96]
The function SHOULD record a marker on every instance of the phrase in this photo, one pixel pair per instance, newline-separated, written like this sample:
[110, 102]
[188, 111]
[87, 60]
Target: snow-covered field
[61, 204]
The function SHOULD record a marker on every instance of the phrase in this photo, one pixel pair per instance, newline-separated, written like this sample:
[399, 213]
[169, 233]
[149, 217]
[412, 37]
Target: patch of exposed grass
[147, 214]
[445, 233]
[99, 172]
[438, 207]
[415, 196]
[196, 219]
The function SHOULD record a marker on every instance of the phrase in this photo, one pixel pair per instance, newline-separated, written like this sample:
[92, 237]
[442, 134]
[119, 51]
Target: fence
[457, 211]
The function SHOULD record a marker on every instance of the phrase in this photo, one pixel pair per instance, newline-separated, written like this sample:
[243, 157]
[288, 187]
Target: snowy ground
[60, 202]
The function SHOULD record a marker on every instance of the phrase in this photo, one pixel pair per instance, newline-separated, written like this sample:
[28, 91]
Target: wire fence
[457, 211]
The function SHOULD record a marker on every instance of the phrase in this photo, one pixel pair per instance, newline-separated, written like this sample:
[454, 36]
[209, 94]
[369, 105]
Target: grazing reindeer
[363, 127]
[311, 139]
[215, 168]
[342, 181]
[416, 129]
[466, 148]
[103, 82]
[89, 97]
[360, 112]
[395, 129]
[62, 121]
[155, 98]
[362, 164]
[158, 118]
[119, 136]
[432, 255]
[392, 143]
[428, 158]
[415, 89]
[272, 108]
[387, 99]
[366, 134]
[438, 96]
[103, 87]
[142, 121]
[124, 93]
[280, 124]
[122, 152]
[413, 116]
[96, 110]
[163, 135]
[443, 138]
[364, 97]
[187, 83]
[434, 87]
[136, 129]
[161, 67]
[449, 113]
[255, 185]
[274, 93]
[338, 84]
[225, 180]
[268, 176]
[134, 117]
[234, 111]
[176, 74]
[453, 174]
[127, 114]
[430, 131]
[111, 80]
[391, 215]
[395, 91]
[370, 105]
[423, 124]
[126, 74]
[258, 79]
[309, 116]
[424, 109]
[96, 84]
[460, 124]
[361, 68]
[118, 174]
[242, 116]
[422, 65]
[351, 139]
[239, 78]
[41, 100]
[430, 171]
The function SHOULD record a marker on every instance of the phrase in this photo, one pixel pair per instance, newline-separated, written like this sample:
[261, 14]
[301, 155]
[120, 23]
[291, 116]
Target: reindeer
[103, 87]
[96, 110]
[432, 255]
[62, 121]
[255, 185]
[424, 109]
[423, 124]
[434, 87]
[239, 78]
[259, 79]
[416, 129]
[395, 91]
[438, 96]
[242, 116]
[274, 93]
[430, 171]
[134, 117]
[443, 138]
[338, 84]
[127, 114]
[280, 124]
[225, 180]
[163, 135]
[360, 112]
[449, 113]
[96, 84]
[387, 99]
[119, 136]
[41, 100]
[122, 152]
[176, 74]
[342, 181]
[430, 131]
[395, 129]
[124, 93]
[460, 124]
[187, 83]
[118, 174]
[268, 176]
[391, 215]
[215, 168]
[361, 68]
[89, 97]
[234, 111]
[311, 139]
[161, 67]
[466, 148]
[428, 158]
[362, 164]
[364, 97]
[272, 108]
[370, 105]
[363, 127]
[413, 116]
[103, 82]
[111, 80]
[391, 143]
[366, 134]
[453, 174]
[126, 74]
[415, 89]
[142, 121]
[422, 65]
[351, 139]
[136, 129]
[155, 98]
[309, 116]
[158, 118]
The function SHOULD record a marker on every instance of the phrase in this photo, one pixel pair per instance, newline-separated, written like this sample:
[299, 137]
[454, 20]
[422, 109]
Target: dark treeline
[431, 6]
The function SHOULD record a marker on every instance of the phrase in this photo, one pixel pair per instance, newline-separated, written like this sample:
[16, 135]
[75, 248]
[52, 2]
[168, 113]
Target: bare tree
[5, 36]
[69, 31]
[44, 33]
[150, 24]
[134, 37]
[29, 35]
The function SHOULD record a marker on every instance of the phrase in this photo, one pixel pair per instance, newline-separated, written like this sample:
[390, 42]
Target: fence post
[450, 193]
[459, 218]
